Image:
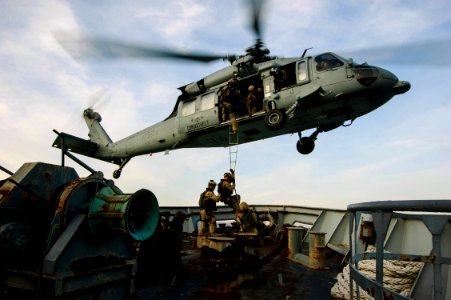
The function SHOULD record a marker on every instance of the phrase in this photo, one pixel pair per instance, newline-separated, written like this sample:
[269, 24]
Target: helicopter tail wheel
[117, 173]
[275, 119]
[305, 145]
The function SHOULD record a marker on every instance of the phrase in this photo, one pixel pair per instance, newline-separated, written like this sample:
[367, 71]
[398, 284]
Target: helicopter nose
[387, 77]
[389, 80]
[401, 87]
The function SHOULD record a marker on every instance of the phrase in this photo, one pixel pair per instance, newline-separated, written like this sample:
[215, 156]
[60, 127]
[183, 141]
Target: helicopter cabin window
[188, 108]
[302, 71]
[207, 102]
[327, 61]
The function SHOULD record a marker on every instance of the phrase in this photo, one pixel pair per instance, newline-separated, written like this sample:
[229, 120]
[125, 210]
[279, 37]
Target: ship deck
[278, 277]
[304, 254]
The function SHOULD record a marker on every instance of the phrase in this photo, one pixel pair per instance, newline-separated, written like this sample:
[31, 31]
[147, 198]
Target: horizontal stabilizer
[75, 144]
[83, 147]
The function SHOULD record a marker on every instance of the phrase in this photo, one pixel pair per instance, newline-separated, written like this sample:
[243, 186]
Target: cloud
[397, 152]
[39, 81]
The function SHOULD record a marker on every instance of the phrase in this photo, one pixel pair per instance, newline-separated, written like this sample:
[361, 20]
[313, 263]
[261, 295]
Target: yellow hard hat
[251, 88]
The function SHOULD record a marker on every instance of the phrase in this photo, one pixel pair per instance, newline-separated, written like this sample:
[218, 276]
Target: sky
[401, 151]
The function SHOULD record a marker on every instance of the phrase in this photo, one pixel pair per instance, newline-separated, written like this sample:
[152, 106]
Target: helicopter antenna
[305, 51]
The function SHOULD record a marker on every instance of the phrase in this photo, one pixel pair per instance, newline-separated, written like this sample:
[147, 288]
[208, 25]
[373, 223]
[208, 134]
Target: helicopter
[310, 92]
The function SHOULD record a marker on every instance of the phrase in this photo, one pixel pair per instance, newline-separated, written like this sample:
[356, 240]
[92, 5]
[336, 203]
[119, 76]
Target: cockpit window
[188, 108]
[207, 101]
[302, 71]
[327, 61]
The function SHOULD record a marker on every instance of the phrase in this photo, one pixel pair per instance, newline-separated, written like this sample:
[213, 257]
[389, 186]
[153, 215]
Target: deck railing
[435, 216]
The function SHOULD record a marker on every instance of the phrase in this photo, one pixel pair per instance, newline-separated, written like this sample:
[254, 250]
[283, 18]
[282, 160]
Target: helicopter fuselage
[321, 92]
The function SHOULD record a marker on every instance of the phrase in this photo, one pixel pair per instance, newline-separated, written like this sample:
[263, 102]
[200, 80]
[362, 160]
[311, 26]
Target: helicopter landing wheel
[117, 173]
[275, 119]
[305, 145]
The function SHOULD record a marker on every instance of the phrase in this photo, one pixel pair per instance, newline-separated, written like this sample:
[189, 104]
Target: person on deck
[207, 204]
[247, 219]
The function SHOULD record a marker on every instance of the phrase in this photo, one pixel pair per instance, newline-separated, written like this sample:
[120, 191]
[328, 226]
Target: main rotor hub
[259, 52]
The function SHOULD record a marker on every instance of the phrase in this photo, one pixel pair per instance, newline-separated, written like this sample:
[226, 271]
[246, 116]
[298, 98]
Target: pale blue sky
[400, 151]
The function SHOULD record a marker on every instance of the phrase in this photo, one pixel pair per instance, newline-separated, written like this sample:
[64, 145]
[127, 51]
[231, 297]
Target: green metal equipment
[67, 237]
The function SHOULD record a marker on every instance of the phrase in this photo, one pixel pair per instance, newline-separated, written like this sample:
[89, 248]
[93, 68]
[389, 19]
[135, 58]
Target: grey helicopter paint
[320, 92]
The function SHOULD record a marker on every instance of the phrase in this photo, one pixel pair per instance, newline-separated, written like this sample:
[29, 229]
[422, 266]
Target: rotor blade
[256, 12]
[435, 53]
[92, 47]
[98, 99]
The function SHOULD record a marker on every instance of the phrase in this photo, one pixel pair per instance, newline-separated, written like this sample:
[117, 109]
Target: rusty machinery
[67, 237]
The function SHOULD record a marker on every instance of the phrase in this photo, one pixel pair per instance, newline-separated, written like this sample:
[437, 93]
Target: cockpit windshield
[327, 61]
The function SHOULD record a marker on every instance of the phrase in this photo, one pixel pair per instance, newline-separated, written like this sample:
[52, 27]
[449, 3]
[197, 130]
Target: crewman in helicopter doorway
[229, 98]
